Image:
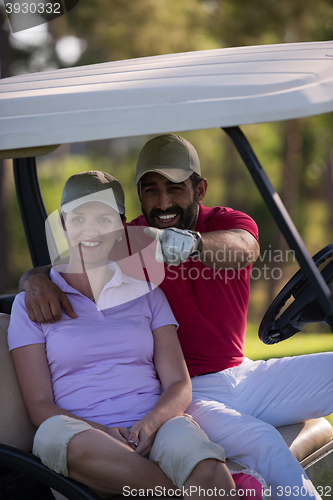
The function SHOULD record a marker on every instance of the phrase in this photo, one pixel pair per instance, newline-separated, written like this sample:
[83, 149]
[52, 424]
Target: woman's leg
[108, 466]
[191, 461]
[210, 478]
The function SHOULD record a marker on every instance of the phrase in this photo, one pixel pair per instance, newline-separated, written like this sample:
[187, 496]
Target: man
[208, 259]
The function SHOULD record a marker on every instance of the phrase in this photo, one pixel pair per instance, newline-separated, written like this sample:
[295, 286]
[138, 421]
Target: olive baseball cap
[169, 155]
[92, 186]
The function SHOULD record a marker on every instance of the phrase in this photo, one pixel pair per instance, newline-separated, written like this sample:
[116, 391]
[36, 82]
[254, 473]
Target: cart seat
[15, 427]
[306, 440]
[16, 437]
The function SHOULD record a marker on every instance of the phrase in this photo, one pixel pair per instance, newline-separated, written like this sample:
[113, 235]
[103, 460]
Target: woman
[109, 388]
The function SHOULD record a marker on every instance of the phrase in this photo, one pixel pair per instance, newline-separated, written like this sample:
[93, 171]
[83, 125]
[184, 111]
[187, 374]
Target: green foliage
[301, 343]
[18, 253]
[261, 22]
[53, 173]
[127, 28]
[297, 156]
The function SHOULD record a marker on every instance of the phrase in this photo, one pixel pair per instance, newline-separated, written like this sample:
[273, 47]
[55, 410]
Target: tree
[5, 54]
[124, 29]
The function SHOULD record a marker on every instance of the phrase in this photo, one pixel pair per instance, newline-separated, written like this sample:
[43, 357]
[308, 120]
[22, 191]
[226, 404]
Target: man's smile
[167, 217]
[166, 220]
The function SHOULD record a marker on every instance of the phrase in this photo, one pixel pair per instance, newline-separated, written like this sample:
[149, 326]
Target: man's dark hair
[195, 179]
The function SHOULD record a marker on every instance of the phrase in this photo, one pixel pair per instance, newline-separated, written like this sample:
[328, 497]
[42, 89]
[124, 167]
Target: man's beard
[186, 219]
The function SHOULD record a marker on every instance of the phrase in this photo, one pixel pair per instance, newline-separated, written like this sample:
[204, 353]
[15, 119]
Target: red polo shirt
[210, 305]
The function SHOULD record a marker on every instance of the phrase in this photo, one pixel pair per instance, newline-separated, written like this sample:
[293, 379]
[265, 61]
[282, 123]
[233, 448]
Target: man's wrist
[39, 271]
[198, 237]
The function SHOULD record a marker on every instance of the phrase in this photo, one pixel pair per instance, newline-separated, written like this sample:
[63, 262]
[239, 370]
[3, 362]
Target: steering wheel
[305, 308]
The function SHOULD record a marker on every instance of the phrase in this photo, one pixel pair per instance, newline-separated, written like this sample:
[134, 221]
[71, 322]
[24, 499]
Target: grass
[306, 343]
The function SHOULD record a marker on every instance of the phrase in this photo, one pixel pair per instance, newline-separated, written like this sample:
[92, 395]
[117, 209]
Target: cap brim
[173, 174]
[102, 196]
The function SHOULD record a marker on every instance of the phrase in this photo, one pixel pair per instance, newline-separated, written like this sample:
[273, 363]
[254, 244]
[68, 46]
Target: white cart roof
[186, 91]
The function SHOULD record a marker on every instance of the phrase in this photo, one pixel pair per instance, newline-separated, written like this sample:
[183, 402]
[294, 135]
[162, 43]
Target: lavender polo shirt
[101, 363]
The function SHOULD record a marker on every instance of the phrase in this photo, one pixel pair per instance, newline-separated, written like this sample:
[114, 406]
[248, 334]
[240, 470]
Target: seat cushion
[305, 438]
[15, 427]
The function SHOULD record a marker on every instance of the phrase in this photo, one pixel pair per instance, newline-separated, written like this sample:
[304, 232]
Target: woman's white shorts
[178, 447]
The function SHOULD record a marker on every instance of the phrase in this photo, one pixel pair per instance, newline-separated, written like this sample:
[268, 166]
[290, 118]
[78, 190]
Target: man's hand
[44, 300]
[177, 245]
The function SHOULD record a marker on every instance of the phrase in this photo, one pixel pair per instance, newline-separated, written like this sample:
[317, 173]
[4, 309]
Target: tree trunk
[5, 54]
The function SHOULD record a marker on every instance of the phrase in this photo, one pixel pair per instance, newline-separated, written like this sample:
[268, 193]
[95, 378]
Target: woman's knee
[179, 435]
[180, 445]
[52, 438]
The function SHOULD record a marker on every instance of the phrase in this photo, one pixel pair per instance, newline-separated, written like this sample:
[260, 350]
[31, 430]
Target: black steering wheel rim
[305, 307]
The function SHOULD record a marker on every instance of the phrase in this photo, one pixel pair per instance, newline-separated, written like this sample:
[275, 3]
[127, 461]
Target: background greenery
[297, 155]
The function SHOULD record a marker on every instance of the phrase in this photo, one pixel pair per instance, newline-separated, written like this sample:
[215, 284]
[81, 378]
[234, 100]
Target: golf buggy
[223, 88]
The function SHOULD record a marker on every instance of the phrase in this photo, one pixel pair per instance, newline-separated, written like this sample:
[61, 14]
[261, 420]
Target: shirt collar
[117, 279]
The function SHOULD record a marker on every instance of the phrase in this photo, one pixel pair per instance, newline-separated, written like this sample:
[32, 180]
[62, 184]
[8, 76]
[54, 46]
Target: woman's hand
[120, 433]
[142, 435]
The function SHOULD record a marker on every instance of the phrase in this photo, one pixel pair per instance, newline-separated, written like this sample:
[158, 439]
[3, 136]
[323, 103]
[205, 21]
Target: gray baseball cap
[169, 155]
[92, 186]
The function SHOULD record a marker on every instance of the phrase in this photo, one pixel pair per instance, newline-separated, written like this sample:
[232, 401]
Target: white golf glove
[174, 245]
